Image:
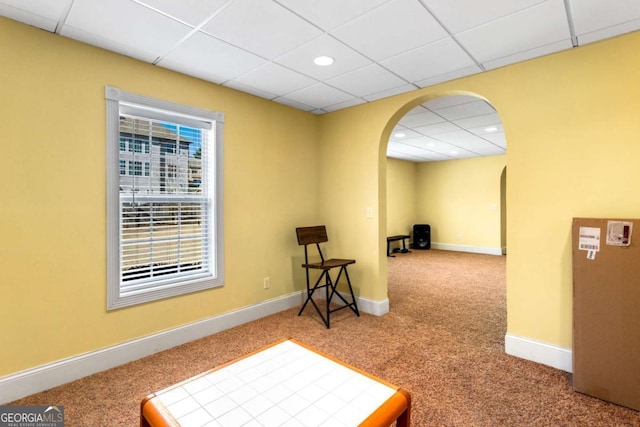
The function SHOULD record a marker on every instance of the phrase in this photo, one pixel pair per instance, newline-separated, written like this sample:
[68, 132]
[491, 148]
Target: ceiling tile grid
[380, 48]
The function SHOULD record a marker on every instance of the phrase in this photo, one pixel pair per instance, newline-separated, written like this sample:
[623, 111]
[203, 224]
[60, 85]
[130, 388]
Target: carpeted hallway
[443, 340]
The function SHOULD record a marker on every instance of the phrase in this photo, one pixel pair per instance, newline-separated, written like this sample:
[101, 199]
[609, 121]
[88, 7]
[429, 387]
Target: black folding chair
[316, 235]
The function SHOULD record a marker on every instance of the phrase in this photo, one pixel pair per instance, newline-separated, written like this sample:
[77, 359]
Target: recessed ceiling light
[491, 129]
[399, 135]
[323, 61]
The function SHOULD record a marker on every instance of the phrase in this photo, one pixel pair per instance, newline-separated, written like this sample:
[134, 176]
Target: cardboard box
[606, 309]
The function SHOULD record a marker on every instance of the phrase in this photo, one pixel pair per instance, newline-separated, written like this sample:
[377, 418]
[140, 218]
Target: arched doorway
[453, 148]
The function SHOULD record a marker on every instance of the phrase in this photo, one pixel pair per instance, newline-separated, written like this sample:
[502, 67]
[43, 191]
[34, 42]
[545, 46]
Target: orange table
[285, 384]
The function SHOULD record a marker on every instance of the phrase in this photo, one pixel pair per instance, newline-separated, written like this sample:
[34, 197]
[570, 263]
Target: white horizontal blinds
[164, 205]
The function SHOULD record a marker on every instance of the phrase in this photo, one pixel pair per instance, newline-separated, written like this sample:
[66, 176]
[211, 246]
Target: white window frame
[118, 101]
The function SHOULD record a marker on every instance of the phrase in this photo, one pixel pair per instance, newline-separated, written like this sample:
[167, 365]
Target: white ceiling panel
[456, 74]
[209, 58]
[329, 14]
[294, 104]
[39, 13]
[340, 105]
[123, 21]
[432, 130]
[596, 19]
[389, 92]
[401, 133]
[423, 117]
[460, 15]
[301, 58]
[459, 138]
[595, 15]
[234, 84]
[528, 54]
[391, 29]
[487, 149]
[420, 141]
[486, 130]
[416, 153]
[108, 44]
[262, 27]
[477, 121]
[497, 138]
[614, 30]
[434, 59]
[275, 79]
[319, 95]
[541, 25]
[365, 81]
[466, 110]
[192, 12]
[381, 48]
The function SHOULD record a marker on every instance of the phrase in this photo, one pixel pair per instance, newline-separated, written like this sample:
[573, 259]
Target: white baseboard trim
[539, 352]
[44, 377]
[30, 381]
[365, 305]
[466, 248]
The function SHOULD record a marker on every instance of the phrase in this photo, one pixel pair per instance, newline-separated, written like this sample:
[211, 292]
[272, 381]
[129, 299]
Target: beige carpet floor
[443, 340]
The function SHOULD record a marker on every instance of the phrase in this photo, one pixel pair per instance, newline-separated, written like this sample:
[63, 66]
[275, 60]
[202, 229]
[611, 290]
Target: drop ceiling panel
[390, 92]
[434, 59]
[596, 19]
[477, 121]
[275, 78]
[319, 95]
[391, 29]
[497, 138]
[333, 13]
[471, 143]
[301, 58]
[528, 54]
[408, 134]
[540, 25]
[449, 101]
[39, 13]
[423, 117]
[262, 27]
[366, 81]
[210, 59]
[192, 12]
[340, 105]
[460, 15]
[117, 23]
[614, 30]
[466, 110]
[431, 130]
[456, 74]
[416, 153]
[421, 142]
[482, 130]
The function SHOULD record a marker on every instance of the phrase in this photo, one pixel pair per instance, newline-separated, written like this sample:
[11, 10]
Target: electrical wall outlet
[266, 282]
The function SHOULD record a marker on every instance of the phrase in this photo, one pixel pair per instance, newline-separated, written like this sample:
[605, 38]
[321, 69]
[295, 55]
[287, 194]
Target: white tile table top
[284, 385]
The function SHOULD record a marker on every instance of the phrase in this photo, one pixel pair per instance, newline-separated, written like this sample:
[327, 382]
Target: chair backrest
[311, 235]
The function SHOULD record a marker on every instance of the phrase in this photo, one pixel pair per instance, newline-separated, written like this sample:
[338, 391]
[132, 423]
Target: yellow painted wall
[460, 199]
[52, 187]
[401, 196]
[571, 122]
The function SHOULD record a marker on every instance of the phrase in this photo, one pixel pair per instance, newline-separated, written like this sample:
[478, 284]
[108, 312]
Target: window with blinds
[165, 234]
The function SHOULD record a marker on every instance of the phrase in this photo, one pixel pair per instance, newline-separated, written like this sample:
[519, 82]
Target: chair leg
[352, 305]
[311, 290]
